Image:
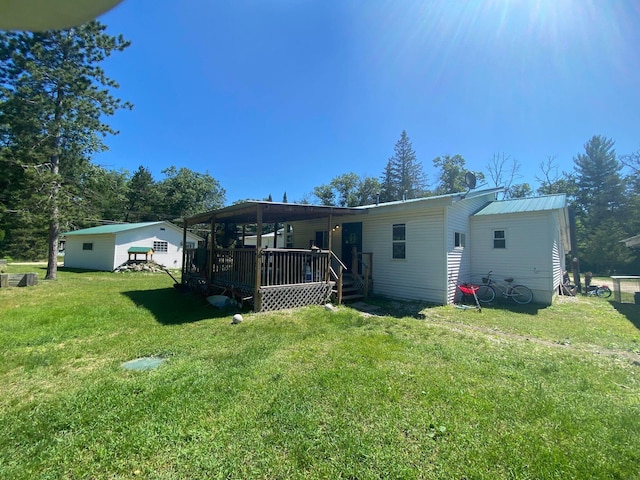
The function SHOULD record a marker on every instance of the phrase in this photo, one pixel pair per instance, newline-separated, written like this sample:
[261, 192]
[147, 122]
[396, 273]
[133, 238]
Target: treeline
[55, 97]
[602, 188]
[93, 196]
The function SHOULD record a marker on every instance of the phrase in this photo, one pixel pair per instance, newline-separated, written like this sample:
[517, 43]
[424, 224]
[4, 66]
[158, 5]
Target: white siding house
[526, 239]
[422, 248]
[106, 247]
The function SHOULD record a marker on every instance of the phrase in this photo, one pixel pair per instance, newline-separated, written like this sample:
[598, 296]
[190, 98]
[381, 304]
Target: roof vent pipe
[377, 199]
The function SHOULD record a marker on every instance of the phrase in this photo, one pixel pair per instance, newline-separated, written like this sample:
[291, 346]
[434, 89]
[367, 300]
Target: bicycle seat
[508, 280]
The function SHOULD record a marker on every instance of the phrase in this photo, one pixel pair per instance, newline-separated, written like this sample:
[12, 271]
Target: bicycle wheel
[603, 291]
[486, 293]
[521, 294]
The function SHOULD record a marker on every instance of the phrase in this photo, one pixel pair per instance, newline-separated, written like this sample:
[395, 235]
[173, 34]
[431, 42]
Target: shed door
[351, 237]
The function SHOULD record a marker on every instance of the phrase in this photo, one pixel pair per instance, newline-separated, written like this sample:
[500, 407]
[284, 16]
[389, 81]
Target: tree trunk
[54, 212]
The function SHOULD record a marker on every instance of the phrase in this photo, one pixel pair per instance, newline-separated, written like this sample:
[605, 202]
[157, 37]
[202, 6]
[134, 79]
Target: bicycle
[518, 293]
[598, 291]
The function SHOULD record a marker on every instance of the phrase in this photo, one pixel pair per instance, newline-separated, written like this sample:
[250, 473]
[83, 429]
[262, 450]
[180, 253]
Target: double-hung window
[399, 240]
[499, 239]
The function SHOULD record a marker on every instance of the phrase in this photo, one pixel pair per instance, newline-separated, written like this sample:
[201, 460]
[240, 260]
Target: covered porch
[293, 272]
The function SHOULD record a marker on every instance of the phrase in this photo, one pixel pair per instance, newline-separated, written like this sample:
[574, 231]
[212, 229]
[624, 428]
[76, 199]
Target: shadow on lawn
[172, 307]
[401, 309]
[629, 310]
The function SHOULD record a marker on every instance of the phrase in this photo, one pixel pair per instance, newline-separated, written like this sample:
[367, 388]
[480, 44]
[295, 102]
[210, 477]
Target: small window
[499, 239]
[459, 240]
[399, 240]
[160, 247]
[87, 246]
[190, 245]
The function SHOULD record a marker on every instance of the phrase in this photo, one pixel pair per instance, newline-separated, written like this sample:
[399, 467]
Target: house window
[190, 245]
[160, 247]
[459, 240]
[499, 239]
[399, 243]
[87, 246]
[322, 239]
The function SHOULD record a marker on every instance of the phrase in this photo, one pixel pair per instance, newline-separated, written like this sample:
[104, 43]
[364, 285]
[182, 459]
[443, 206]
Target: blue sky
[283, 95]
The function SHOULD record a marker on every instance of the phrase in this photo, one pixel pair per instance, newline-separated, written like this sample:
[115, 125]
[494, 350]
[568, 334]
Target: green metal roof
[529, 204]
[140, 250]
[117, 228]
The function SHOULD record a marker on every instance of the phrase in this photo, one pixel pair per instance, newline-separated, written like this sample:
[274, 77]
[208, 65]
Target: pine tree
[53, 98]
[600, 185]
[403, 176]
[600, 206]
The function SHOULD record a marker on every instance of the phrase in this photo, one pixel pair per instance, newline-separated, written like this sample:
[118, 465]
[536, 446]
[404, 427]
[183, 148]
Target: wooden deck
[267, 278]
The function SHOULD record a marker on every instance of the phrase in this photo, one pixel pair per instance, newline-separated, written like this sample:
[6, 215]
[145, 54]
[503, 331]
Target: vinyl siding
[303, 232]
[144, 237]
[528, 256]
[459, 259]
[111, 250]
[418, 276]
[100, 258]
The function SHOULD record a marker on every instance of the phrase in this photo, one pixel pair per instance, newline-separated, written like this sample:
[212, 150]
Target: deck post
[327, 274]
[339, 286]
[184, 251]
[257, 301]
[212, 248]
[354, 259]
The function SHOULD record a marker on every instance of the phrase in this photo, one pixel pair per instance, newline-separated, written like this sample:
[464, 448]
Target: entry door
[351, 236]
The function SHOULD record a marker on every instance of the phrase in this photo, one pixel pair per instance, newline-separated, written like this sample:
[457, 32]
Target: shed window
[87, 246]
[399, 240]
[499, 239]
[459, 240]
[160, 247]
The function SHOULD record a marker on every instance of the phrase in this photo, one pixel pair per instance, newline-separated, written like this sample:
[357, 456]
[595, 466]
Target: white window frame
[160, 246]
[87, 246]
[502, 239]
[399, 242]
[459, 240]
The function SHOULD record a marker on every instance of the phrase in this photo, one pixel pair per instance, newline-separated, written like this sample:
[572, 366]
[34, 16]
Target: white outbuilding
[106, 247]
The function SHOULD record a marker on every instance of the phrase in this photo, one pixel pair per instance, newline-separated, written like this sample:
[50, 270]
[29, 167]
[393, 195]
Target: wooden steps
[350, 292]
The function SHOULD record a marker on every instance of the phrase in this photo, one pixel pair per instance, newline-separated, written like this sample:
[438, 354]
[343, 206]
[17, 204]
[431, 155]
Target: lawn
[402, 390]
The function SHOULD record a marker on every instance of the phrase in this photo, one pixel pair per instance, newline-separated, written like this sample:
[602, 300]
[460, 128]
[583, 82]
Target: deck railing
[278, 266]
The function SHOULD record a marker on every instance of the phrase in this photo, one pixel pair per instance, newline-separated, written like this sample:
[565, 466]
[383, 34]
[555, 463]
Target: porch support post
[275, 235]
[257, 301]
[327, 274]
[212, 247]
[184, 251]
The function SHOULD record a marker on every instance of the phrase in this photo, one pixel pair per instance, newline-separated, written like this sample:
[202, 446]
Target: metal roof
[529, 204]
[272, 212]
[632, 242]
[447, 198]
[105, 229]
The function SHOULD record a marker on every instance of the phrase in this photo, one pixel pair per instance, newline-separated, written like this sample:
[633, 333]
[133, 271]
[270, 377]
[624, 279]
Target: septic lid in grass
[144, 363]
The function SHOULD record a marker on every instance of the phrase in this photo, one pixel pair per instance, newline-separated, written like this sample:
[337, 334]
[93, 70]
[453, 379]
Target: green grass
[412, 392]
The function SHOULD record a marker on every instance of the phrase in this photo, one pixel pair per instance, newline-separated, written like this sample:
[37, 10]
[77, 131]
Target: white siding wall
[558, 258]
[100, 258]
[528, 256]
[144, 237]
[459, 259]
[420, 275]
[305, 231]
